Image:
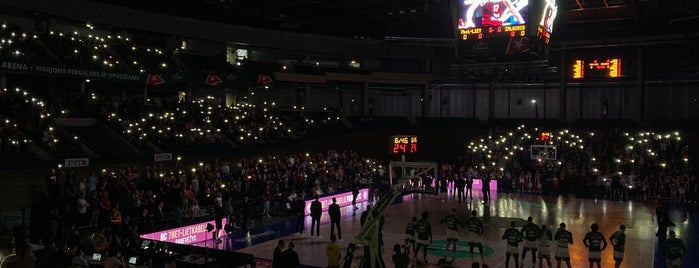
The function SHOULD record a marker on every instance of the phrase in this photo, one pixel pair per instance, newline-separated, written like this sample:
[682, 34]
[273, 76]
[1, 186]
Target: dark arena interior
[201, 133]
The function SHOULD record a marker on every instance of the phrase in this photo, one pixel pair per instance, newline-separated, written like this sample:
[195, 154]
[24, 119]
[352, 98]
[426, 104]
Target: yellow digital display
[502, 31]
[578, 70]
[596, 68]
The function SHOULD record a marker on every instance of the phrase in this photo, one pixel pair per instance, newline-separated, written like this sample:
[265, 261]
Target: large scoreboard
[548, 16]
[503, 28]
[478, 19]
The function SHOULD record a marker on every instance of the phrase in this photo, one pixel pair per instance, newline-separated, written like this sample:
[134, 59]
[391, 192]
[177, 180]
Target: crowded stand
[106, 210]
[18, 45]
[36, 126]
[204, 122]
[87, 48]
[613, 164]
[166, 122]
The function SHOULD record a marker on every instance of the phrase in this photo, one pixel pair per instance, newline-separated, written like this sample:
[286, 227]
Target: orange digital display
[403, 144]
[543, 35]
[545, 136]
[595, 68]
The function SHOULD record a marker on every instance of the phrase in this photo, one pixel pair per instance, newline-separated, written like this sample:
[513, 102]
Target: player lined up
[535, 239]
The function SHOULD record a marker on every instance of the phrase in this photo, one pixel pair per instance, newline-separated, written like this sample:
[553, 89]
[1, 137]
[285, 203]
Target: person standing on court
[485, 184]
[355, 194]
[563, 239]
[459, 184]
[410, 235]
[544, 246]
[513, 237]
[530, 232]
[453, 226]
[316, 212]
[469, 183]
[475, 230]
[424, 235]
[277, 259]
[675, 249]
[334, 213]
[332, 250]
[618, 240]
[298, 207]
[595, 243]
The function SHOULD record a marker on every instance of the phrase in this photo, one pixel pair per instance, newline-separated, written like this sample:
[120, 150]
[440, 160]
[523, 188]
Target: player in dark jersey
[475, 230]
[424, 235]
[513, 237]
[618, 241]
[410, 235]
[675, 249]
[544, 246]
[453, 226]
[595, 243]
[530, 232]
[563, 240]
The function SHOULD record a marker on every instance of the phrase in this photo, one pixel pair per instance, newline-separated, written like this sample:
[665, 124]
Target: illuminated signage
[478, 185]
[184, 235]
[596, 68]
[343, 199]
[492, 18]
[548, 16]
[405, 144]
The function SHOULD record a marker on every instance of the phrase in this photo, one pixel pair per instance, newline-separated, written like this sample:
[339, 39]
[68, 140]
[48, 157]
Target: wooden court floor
[577, 213]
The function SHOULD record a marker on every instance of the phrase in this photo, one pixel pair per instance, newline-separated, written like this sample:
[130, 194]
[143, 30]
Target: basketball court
[577, 213]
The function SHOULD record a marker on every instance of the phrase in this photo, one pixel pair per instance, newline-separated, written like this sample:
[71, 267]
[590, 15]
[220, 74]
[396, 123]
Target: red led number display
[404, 144]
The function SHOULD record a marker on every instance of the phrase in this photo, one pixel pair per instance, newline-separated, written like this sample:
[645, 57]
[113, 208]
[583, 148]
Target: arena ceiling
[377, 19]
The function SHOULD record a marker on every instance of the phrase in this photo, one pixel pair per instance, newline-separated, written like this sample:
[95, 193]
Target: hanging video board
[478, 19]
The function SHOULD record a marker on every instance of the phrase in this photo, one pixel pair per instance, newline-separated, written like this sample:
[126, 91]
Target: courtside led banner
[343, 199]
[478, 185]
[184, 235]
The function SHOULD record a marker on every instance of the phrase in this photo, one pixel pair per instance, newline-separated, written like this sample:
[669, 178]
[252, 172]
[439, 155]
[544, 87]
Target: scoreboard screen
[478, 19]
[403, 144]
[550, 9]
[596, 68]
[548, 16]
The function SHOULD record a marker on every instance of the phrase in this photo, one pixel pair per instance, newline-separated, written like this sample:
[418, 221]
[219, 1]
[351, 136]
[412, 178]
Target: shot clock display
[596, 68]
[478, 19]
[403, 144]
